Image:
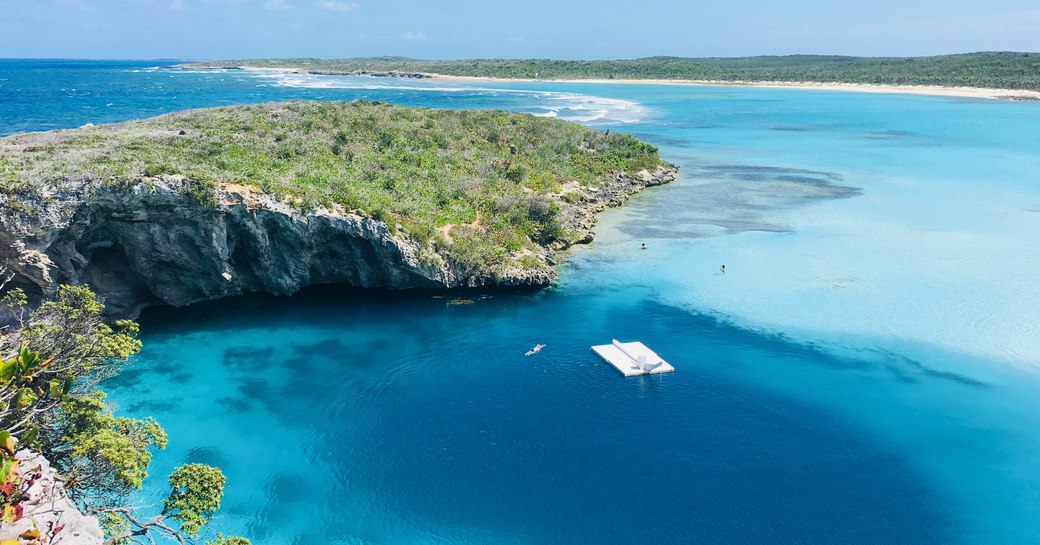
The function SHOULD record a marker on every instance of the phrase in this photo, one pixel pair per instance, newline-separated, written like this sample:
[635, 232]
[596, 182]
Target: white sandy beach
[968, 92]
[935, 90]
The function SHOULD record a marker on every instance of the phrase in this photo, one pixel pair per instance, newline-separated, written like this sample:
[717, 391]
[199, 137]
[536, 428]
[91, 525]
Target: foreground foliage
[60, 349]
[1000, 70]
[51, 363]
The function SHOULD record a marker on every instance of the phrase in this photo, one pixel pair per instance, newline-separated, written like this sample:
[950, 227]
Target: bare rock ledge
[49, 507]
[152, 245]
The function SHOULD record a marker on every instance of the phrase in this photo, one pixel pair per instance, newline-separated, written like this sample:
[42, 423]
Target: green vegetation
[1000, 70]
[485, 175]
[197, 490]
[50, 365]
[232, 540]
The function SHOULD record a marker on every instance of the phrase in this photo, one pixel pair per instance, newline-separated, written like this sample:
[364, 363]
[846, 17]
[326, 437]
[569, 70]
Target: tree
[60, 348]
[50, 366]
[231, 540]
[102, 455]
[196, 494]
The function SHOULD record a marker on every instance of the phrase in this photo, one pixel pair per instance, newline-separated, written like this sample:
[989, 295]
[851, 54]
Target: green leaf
[31, 438]
[27, 360]
[24, 398]
[8, 369]
[7, 442]
[54, 388]
[68, 385]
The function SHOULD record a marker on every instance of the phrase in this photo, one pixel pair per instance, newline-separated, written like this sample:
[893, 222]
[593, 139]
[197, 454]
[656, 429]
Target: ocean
[865, 370]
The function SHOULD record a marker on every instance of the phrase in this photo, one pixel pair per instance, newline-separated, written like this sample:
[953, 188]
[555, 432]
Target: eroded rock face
[49, 507]
[152, 244]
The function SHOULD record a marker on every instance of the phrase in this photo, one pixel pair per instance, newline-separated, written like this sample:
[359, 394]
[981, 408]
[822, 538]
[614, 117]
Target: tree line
[1001, 70]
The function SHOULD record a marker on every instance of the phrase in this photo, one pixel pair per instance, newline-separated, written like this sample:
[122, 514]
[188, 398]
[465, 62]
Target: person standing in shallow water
[723, 269]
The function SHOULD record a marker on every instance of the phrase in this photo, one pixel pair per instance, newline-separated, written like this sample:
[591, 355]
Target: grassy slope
[1000, 70]
[417, 168]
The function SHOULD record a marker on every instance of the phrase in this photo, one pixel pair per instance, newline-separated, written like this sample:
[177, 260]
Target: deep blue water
[864, 372]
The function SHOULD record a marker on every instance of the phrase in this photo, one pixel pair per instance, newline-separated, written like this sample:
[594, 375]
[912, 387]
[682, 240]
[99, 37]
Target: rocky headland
[97, 210]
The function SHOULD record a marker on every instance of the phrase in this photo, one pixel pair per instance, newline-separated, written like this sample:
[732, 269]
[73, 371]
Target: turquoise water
[864, 372]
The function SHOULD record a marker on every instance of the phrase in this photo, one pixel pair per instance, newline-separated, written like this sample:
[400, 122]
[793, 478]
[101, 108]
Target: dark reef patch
[150, 407]
[180, 378]
[205, 455]
[734, 198]
[234, 404]
[247, 360]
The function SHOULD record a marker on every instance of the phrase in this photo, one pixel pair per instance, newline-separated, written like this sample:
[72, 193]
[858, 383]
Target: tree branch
[143, 528]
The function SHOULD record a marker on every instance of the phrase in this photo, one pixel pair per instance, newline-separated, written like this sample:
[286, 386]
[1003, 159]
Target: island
[985, 70]
[269, 198]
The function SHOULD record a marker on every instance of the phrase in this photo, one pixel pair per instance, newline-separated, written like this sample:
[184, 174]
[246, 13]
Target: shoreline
[1014, 95]
[1023, 95]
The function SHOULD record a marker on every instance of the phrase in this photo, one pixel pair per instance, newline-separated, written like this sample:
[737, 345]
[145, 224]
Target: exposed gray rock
[579, 204]
[372, 73]
[152, 244]
[50, 507]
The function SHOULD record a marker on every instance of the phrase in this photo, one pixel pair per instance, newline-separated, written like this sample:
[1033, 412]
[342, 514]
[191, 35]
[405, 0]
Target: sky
[559, 29]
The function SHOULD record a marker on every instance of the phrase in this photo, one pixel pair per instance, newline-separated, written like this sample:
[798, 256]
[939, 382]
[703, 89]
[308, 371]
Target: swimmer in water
[534, 350]
[643, 247]
[723, 269]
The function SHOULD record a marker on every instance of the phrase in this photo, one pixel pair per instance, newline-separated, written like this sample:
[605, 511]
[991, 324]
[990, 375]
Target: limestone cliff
[49, 507]
[154, 244]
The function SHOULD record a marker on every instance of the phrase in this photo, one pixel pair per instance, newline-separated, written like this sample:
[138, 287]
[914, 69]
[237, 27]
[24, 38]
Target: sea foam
[569, 106]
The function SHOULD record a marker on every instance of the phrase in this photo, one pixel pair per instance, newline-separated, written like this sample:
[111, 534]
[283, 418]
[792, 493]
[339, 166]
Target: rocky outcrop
[401, 74]
[580, 204]
[371, 73]
[48, 507]
[154, 244]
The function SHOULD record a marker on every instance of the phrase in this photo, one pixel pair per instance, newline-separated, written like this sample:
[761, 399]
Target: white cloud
[277, 5]
[413, 37]
[333, 5]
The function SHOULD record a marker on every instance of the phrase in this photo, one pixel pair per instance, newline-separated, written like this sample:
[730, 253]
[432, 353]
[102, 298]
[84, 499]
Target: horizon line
[180, 59]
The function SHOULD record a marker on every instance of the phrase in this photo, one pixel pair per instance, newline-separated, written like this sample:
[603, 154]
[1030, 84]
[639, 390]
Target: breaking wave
[569, 106]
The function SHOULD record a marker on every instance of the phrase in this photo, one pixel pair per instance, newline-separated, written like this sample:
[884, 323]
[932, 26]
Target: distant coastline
[1022, 95]
[989, 75]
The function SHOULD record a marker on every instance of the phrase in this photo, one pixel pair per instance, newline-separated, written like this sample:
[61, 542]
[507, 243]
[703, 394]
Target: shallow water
[864, 372]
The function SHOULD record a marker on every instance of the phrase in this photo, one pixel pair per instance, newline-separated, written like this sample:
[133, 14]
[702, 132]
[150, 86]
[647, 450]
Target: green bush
[517, 173]
[153, 170]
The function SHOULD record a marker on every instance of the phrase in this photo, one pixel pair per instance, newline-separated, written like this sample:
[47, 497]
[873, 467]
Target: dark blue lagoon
[394, 419]
[864, 372]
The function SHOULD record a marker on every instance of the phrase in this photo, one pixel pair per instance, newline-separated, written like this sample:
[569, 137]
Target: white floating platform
[632, 359]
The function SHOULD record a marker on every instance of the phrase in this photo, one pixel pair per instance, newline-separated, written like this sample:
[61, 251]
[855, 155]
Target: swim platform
[632, 359]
